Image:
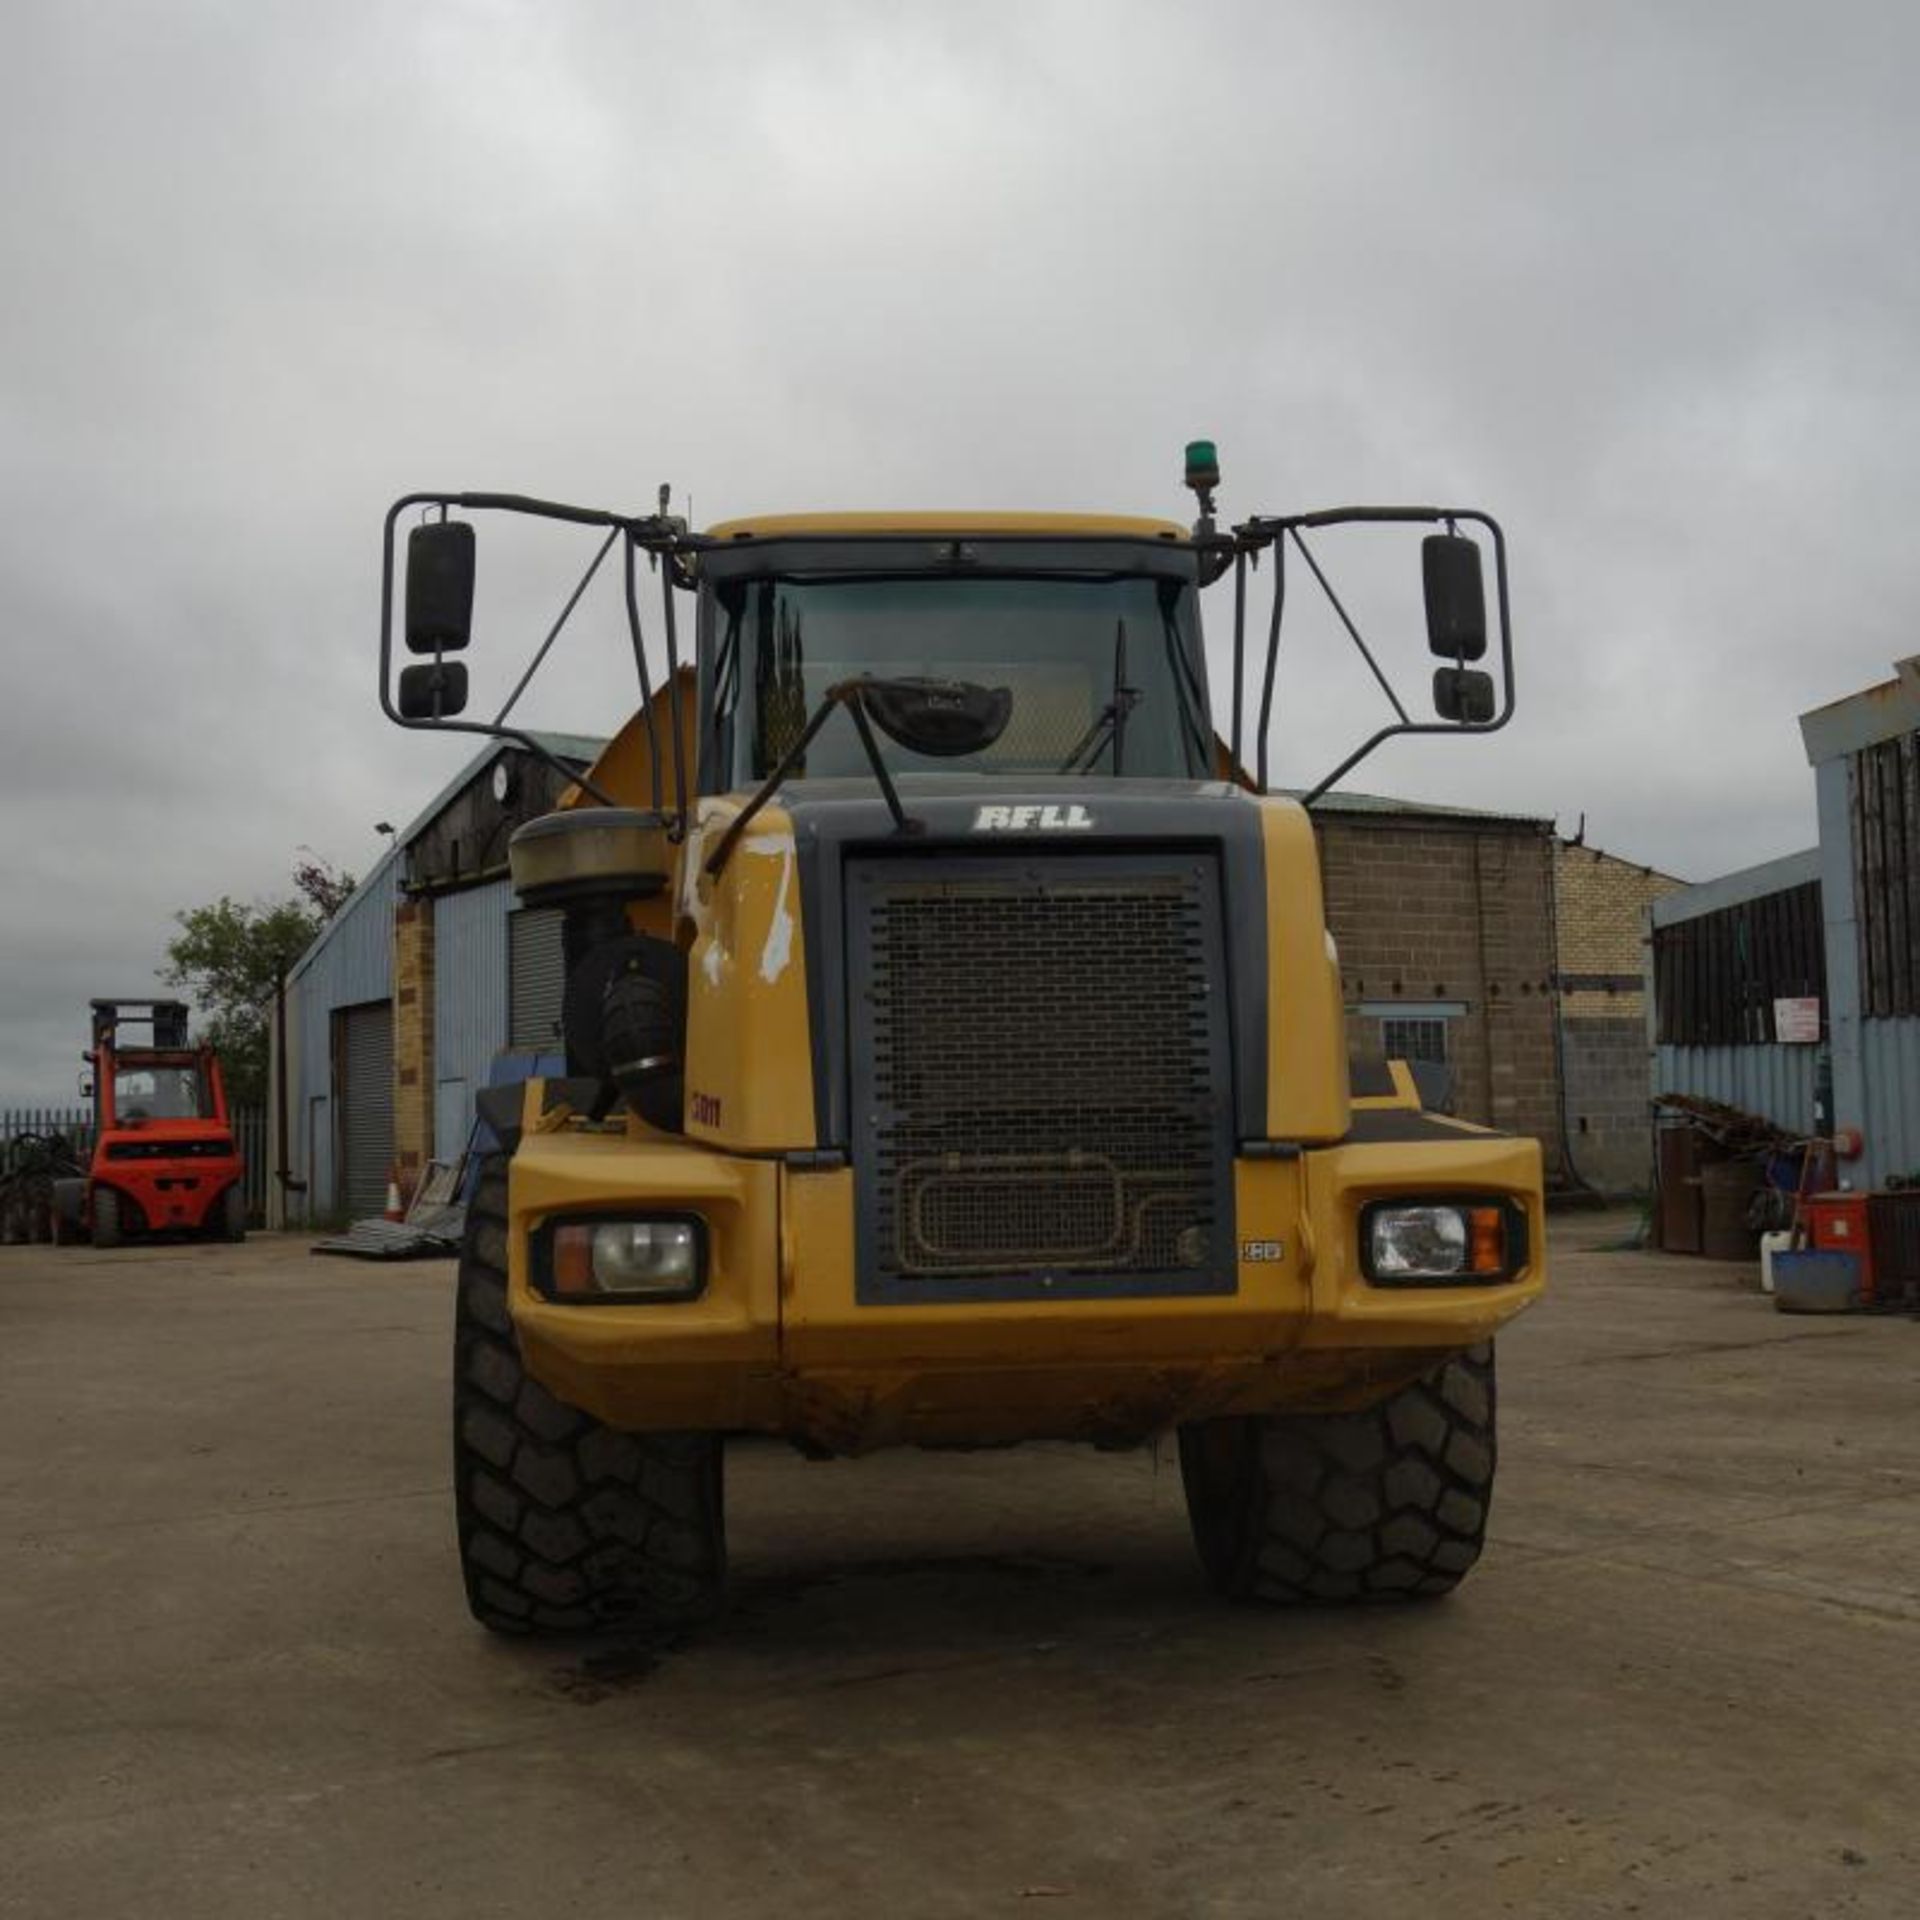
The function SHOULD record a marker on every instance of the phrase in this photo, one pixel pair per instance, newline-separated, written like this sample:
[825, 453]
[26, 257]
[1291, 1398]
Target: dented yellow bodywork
[749, 1054]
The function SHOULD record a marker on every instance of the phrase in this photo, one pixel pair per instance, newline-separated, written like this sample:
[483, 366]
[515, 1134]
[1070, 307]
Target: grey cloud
[1642, 280]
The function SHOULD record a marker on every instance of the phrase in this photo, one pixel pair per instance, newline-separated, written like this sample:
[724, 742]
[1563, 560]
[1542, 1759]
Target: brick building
[1601, 912]
[1444, 923]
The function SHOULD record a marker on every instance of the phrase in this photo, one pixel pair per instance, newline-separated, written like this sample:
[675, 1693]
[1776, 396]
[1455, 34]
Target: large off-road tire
[233, 1214]
[565, 1525]
[1313, 1509]
[106, 1217]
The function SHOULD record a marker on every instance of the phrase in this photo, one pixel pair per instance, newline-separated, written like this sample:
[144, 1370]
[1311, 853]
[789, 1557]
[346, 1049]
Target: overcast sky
[1641, 280]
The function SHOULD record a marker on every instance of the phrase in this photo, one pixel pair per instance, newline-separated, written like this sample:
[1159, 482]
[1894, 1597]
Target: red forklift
[164, 1159]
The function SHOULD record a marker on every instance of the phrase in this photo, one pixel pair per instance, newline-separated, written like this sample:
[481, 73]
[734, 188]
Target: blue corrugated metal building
[1730, 980]
[1865, 752]
[1746, 1067]
[397, 1012]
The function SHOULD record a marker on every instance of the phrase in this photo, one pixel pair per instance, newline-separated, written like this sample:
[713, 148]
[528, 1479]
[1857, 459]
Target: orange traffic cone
[396, 1207]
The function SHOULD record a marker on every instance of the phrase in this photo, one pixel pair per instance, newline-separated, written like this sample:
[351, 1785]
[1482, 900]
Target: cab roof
[1110, 526]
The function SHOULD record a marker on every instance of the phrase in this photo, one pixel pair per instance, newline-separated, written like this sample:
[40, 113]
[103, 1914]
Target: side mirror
[1463, 696]
[437, 692]
[440, 559]
[1456, 597]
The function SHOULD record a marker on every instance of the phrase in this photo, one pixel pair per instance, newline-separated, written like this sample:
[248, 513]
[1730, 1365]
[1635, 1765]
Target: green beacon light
[1203, 475]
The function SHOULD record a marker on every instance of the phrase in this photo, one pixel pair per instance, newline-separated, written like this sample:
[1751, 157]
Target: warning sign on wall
[1796, 1023]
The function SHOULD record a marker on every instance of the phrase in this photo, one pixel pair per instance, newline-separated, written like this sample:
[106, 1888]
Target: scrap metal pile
[1734, 1186]
[29, 1165]
[1730, 1128]
[429, 1230]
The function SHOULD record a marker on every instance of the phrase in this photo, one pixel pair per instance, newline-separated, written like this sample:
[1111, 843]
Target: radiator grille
[1041, 1084]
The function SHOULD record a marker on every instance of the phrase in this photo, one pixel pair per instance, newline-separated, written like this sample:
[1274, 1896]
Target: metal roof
[581, 747]
[1735, 889]
[1864, 719]
[1342, 800]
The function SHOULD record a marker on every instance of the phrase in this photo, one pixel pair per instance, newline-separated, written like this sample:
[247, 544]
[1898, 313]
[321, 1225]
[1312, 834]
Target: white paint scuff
[778, 951]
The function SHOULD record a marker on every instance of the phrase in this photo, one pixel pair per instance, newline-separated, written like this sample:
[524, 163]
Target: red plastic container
[1837, 1223]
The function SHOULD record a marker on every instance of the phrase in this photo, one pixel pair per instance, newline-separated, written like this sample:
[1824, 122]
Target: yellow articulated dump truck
[956, 1054]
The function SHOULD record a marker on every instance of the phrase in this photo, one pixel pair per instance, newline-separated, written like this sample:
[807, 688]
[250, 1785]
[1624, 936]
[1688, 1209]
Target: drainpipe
[1567, 1160]
[283, 1173]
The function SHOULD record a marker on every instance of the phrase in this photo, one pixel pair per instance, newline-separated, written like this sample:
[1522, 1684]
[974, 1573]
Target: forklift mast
[167, 1018]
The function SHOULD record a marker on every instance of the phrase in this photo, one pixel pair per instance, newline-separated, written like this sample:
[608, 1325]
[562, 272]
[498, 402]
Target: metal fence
[76, 1123]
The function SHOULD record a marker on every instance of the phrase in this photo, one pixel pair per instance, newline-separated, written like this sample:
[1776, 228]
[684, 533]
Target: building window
[1423, 1037]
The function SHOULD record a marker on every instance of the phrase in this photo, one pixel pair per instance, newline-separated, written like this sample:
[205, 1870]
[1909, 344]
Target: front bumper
[779, 1342]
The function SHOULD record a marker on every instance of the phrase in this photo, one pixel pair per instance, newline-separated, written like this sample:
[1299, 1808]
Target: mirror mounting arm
[1251, 537]
[658, 533]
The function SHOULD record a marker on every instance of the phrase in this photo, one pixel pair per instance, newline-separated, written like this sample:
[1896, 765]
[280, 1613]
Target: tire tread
[1387, 1504]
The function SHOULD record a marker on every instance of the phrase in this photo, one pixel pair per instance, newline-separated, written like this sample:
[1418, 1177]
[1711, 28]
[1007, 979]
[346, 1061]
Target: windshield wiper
[849, 694]
[1111, 720]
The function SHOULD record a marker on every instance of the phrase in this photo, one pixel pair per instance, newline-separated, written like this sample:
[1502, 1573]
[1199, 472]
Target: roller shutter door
[366, 1106]
[536, 977]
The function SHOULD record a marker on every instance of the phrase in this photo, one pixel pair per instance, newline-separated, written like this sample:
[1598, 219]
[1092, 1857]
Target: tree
[324, 885]
[229, 957]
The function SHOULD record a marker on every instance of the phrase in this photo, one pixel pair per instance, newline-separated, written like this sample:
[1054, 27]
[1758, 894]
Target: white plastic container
[1770, 1244]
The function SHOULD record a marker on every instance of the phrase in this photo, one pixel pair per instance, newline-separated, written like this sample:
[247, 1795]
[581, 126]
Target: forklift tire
[565, 1525]
[106, 1218]
[233, 1214]
[1319, 1509]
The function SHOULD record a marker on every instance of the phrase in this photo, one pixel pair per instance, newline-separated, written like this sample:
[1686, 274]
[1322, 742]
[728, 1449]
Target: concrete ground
[236, 1676]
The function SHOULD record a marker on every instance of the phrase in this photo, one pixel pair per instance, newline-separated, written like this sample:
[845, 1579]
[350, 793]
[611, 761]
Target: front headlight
[1426, 1243]
[657, 1259]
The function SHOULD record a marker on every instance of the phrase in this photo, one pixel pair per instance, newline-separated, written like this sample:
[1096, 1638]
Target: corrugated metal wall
[469, 1004]
[1760, 1077]
[1890, 1075]
[1771, 1080]
[351, 966]
[1876, 1062]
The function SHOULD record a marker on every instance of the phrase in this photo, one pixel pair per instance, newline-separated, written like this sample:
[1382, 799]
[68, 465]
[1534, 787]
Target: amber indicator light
[573, 1260]
[1487, 1240]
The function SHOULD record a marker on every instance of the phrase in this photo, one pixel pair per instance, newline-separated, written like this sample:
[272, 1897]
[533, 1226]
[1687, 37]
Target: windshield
[159, 1093]
[1101, 671]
